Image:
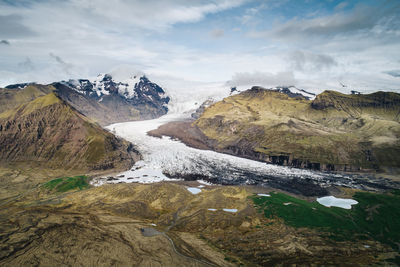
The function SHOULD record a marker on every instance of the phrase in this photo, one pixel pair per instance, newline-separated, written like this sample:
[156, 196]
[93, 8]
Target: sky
[312, 44]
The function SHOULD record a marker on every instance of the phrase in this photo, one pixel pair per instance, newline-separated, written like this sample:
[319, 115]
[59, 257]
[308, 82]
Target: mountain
[107, 101]
[202, 108]
[50, 133]
[334, 131]
[15, 95]
[291, 91]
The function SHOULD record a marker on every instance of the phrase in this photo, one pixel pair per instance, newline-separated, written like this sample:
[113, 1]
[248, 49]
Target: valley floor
[47, 219]
[165, 224]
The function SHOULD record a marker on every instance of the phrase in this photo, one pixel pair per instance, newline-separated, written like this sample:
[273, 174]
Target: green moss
[53, 183]
[377, 216]
[96, 145]
[12, 98]
[65, 184]
[95, 150]
[32, 106]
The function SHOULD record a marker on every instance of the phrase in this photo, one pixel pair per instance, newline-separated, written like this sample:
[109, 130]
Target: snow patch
[194, 190]
[331, 201]
[204, 182]
[230, 210]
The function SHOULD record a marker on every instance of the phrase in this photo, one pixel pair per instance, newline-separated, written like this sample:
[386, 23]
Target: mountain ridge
[358, 133]
[106, 100]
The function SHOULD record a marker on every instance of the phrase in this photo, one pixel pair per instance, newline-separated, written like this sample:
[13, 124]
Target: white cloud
[356, 47]
[153, 14]
[264, 79]
[362, 19]
[309, 61]
[341, 6]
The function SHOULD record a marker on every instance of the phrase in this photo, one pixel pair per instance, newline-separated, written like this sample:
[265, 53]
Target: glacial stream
[165, 159]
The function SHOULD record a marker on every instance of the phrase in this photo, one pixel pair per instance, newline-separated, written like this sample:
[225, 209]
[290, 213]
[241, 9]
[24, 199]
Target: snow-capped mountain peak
[133, 87]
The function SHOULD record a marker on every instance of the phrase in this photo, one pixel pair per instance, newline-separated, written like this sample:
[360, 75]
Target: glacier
[165, 159]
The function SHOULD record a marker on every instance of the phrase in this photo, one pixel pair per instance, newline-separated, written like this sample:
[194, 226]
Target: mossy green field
[376, 216]
[65, 184]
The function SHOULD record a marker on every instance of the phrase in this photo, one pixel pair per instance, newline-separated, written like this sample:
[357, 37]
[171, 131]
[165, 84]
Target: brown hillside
[47, 131]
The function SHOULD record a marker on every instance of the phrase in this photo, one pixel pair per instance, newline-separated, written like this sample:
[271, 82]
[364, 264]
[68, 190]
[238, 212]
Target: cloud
[265, 79]
[383, 19]
[249, 14]
[217, 33]
[4, 42]
[393, 73]
[64, 65]
[11, 27]
[26, 65]
[167, 37]
[309, 61]
[341, 6]
[153, 14]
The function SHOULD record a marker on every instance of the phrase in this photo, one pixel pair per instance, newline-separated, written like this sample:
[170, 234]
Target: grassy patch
[377, 216]
[65, 184]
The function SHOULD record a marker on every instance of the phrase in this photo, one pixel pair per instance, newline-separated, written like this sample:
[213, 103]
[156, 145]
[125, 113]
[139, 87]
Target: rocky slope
[48, 132]
[332, 132]
[107, 101]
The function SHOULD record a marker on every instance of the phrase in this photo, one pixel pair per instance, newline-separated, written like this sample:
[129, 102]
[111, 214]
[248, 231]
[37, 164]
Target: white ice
[230, 210]
[164, 155]
[332, 201]
[194, 190]
[204, 182]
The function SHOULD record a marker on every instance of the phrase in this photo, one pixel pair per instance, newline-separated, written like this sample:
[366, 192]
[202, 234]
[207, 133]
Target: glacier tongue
[166, 156]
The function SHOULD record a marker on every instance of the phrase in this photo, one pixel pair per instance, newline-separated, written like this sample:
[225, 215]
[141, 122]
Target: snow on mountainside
[135, 88]
[111, 98]
[291, 91]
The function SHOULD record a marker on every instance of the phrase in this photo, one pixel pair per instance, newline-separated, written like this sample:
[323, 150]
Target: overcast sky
[313, 44]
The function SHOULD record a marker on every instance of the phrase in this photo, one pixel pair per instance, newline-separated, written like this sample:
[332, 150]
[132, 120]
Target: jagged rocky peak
[135, 87]
[115, 97]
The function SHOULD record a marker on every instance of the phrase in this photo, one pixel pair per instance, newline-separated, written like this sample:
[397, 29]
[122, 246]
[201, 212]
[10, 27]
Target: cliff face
[49, 132]
[357, 102]
[332, 132]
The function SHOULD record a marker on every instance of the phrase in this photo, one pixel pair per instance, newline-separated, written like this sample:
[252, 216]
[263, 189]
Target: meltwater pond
[164, 158]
